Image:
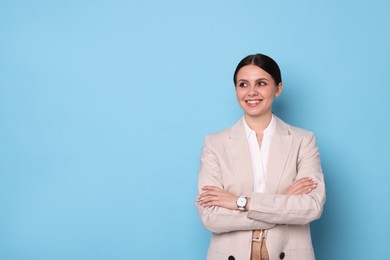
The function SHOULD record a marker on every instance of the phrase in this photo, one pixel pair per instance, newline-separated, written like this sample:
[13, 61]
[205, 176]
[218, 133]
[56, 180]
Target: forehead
[252, 72]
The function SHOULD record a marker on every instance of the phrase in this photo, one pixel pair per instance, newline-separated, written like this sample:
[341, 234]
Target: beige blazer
[226, 163]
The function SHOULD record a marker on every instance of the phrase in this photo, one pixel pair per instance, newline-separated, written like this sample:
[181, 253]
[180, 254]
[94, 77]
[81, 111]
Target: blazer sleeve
[218, 219]
[294, 209]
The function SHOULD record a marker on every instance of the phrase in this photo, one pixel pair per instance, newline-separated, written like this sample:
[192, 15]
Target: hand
[214, 196]
[301, 186]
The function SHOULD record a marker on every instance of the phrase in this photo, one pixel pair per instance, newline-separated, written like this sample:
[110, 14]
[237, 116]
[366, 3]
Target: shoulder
[220, 137]
[222, 134]
[296, 132]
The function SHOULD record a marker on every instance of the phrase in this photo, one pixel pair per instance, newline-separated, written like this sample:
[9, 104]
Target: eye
[242, 85]
[262, 83]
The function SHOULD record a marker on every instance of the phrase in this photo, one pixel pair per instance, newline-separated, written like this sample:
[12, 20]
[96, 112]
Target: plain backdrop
[104, 106]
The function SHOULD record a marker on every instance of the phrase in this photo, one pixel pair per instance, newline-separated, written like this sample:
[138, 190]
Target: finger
[212, 204]
[210, 193]
[302, 190]
[302, 183]
[205, 200]
[305, 184]
[215, 201]
[298, 184]
[210, 201]
[298, 188]
[303, 180]
[305, 189]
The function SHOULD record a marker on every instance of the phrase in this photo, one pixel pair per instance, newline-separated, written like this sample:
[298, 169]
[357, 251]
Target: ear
[279, 88]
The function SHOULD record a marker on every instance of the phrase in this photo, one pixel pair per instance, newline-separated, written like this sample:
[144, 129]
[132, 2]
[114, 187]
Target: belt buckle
[258, 239]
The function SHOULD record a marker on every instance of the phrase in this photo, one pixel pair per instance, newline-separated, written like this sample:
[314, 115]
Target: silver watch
[241, 202]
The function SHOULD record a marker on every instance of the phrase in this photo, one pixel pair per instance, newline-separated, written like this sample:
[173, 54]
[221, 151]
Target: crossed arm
[214, 196]
[300, 203]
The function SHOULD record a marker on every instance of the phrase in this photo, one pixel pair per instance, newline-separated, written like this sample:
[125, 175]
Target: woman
[260, 181]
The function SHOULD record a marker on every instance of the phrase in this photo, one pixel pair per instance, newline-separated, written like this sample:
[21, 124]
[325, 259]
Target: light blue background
[104, 106]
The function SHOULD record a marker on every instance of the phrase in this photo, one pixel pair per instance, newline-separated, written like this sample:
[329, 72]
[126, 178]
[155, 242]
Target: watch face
[241, 201]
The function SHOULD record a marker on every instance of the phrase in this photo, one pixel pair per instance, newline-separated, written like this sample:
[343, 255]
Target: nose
[253, 91]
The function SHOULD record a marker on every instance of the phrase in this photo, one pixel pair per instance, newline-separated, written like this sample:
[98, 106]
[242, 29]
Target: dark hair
[263, 62]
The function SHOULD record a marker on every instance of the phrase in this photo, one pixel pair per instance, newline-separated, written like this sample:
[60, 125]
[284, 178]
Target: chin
[257, 113]
[254, 114]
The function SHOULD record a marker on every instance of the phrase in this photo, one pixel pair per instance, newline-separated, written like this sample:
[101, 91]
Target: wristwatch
[241, 202]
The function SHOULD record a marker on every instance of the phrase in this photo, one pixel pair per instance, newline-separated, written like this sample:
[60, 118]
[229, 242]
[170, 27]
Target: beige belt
[259, 248]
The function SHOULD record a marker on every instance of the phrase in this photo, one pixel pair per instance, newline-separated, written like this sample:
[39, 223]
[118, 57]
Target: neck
[259, 123]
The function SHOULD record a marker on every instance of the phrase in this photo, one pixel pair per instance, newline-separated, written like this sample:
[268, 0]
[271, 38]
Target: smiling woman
[260, 181]
[256, 90]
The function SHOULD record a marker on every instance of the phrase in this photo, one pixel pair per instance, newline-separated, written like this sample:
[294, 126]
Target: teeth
[253, 101]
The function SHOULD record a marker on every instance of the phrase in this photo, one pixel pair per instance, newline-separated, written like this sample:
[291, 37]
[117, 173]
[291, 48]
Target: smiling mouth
[253, 102]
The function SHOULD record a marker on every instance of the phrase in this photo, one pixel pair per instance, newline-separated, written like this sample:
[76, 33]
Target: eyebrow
[255, 80]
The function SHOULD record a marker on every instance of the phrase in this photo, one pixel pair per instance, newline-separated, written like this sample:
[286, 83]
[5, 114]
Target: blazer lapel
[238, 151]
[279, 152]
